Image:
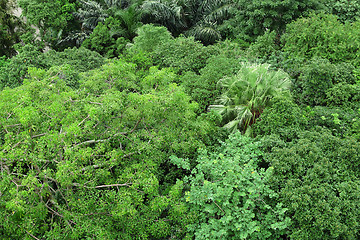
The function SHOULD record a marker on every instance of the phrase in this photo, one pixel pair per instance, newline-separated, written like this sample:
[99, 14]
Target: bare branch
[90, 214]
[91, 141]
[218, 206]
[9, 116]
[30, 234]
[103, 140]
[103, 164]
[39, 135]
[14, 125]
[114, 185]
[12, 147]
[96, 103]
[58, 214]
[84, 120]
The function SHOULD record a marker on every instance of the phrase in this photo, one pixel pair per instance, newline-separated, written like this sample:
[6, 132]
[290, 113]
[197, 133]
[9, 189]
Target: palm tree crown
[198, 18]
[246, 94]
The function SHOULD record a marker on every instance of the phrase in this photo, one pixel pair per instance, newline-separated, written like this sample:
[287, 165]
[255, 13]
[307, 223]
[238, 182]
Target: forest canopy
[193, 119]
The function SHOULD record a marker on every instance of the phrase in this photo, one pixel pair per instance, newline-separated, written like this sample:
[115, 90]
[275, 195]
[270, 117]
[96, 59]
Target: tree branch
[30, 234]
[103, 164]
[96, 103]
[39, 135]
[115, 185]
[19, 124]
[84, 120]
[218, 206]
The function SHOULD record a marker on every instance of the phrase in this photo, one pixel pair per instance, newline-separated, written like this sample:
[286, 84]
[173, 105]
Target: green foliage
[317, 177]
[343, 94]
[339, 121]
[322, 82]
[3, 61]
[65, 72]
[354, 131]
[323, 36]
[81, 59]
[10, 28]
[149, 37]
[253, 18]
[231, 194]
[47, 14]
[316, 78]
[283, 117]
[202, 88]
[93, 162]
[106, 39]
[245, 95]
[183, 54]
[13, 72]
[265, 46]
[345, 10]
[192, 17]
[53, 17]
[109, 20]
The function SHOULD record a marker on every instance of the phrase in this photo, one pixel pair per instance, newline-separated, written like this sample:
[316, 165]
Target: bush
[231, 194]
[345, 10]
[183, 54]
[149, 38]
[81, 59]
[265, 46]
[343, 94]
[335, 119]
[283, 117]
[13, 72]
[316, 78]
[202, 88]
[106, 39]
[323, 36]
[98, 155]
[317, 177]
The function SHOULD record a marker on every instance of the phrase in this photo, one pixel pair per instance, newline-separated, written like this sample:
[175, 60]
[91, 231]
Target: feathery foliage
[246, 94]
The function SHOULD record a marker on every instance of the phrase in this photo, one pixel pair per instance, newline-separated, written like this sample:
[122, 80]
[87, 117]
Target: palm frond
[166, 13]
[218, 13]
[246, 94]
[233, 125]
[205, 32]
[90, 13]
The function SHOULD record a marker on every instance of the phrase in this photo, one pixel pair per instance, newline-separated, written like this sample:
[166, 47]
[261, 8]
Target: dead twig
[39, 135]
[114, 185]
[30, 234]
[84, 120]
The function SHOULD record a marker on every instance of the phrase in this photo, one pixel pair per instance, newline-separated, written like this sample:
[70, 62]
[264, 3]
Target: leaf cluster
[317, 178]
[232, 196]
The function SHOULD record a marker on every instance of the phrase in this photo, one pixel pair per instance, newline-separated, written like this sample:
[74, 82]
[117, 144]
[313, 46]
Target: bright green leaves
[87, 159]
[116, 75]
[323, 36]
[149, 37]
[232, 195]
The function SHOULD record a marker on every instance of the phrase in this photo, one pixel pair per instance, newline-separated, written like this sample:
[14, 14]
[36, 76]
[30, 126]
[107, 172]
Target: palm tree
[198, 18]
[130, 19]
[166, 13]
[248, 93]
[92, 12]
